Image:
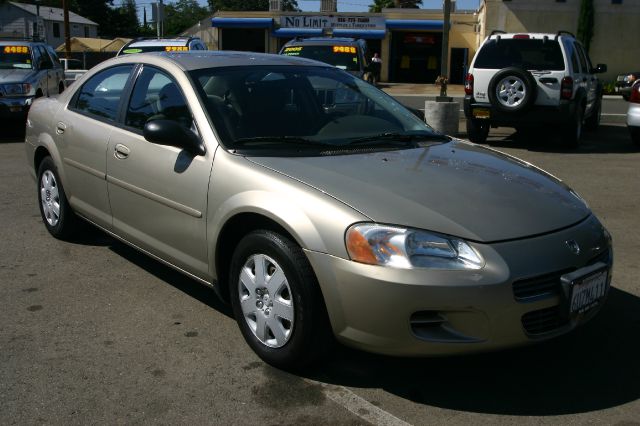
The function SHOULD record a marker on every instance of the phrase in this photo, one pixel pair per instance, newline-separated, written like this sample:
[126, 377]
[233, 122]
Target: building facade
[47, 23]
[408, 40]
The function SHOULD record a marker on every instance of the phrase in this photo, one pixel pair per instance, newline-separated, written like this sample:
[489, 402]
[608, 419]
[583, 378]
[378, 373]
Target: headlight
[16, 89]
[409, 248]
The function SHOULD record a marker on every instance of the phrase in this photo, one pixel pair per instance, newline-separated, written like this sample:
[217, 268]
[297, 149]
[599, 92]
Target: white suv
[528, 80]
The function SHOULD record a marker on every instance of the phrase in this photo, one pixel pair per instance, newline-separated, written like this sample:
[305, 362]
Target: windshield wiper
[293, 140]
[398, 138]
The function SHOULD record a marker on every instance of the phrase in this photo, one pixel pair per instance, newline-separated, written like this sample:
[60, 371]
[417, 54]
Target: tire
[285, 324]
[56, 213]
[512, 90]
[572, 135]
[635, 135]
[593, 121]
[60, 87]
[626, 97]
[477, 130]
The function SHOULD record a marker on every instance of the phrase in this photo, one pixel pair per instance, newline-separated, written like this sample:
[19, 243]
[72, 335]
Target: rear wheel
[593, 122]
[55, 210]
[573, 132]
[277, 302]
[477, 130]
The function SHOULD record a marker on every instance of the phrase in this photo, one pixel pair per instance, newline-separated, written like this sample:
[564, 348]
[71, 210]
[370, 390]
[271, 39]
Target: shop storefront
[409, 41]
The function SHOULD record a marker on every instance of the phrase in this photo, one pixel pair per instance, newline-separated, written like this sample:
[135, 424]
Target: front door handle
[60, 127]
[121, 151]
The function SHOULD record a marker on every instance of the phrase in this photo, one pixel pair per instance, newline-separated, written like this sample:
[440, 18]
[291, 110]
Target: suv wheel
[277, 301]
[635, 135]
[573, 131]
[593, 122]
[512, 89]
[477, 130]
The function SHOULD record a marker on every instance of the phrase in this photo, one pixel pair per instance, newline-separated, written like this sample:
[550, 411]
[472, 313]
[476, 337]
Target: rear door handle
[60, 127]
[121, 151]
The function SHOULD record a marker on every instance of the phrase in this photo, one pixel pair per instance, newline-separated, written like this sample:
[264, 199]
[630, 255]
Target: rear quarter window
[529, 54]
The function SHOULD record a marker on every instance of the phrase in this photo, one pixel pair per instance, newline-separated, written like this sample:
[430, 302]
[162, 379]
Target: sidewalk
[425, 89]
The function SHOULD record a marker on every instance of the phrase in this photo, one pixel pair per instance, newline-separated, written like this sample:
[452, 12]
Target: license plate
[587, 291]
[481, 113]
[14, 108]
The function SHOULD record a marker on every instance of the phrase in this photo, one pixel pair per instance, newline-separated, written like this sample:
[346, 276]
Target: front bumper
[533, 116]
[12, 107]
[429, 312]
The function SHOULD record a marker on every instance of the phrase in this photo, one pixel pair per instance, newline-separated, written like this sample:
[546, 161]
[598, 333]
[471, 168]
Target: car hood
[14, 75]
[455, 188]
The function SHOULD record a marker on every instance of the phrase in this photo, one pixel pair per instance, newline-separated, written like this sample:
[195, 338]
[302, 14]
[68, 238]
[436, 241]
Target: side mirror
[600, 68]
[170, 133]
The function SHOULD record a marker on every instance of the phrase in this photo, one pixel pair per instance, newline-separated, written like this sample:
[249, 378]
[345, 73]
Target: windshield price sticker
[344, 49]
[588, 291]
[16, 49]
[176, 48]
[293, 49]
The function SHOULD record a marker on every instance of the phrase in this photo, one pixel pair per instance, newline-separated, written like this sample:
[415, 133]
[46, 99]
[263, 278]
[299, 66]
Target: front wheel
[477, 130]
[277, 302]
[55, 210]
[593, 122]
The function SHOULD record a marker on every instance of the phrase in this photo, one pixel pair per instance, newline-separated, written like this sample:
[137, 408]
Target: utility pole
[160, 17]
[36, 32]
[67, 36]
[444, 65]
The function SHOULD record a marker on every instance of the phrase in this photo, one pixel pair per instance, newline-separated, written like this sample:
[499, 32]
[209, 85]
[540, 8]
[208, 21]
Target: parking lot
[93, 332]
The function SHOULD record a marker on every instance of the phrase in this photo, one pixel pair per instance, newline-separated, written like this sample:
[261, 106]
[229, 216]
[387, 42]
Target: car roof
[18, 42]
[200, 59]
[160, 42]
[535, 36]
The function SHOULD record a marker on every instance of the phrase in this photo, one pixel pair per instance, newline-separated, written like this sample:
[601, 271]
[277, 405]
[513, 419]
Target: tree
[122, 21]
[378, 5]
[181, 15]
[585, 23]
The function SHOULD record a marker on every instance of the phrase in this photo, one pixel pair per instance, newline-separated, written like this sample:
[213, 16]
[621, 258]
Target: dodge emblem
[573, 246]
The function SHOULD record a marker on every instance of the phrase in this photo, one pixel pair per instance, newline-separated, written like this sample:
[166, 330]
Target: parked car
[348, 54]
[28, 70]
[532, 80]
[318, 206]
[150, 44]
[624, 83]
[73, 69]
[633, 113]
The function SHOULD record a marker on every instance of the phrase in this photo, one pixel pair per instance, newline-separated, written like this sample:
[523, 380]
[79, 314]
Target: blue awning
[414, 24]
[242, 22]
[316, 32]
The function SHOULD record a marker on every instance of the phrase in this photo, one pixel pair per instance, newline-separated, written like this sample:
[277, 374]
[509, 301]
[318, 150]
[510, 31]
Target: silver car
[633, 113]
[318, 206]
[28, 70]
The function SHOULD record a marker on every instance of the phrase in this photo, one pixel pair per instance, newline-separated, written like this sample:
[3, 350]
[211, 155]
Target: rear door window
[100, 96]
[530, 54]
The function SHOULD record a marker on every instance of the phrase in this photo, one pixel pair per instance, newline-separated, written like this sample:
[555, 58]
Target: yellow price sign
[293, 49]
[16, 49]
[176, 48]
[344, 49]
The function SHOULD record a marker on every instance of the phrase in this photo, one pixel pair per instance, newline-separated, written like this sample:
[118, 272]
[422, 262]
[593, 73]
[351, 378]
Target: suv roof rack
[559, 33]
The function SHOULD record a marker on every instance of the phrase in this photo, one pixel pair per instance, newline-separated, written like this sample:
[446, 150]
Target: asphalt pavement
[93, 332]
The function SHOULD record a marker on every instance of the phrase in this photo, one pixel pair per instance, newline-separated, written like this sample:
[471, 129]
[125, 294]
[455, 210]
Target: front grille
[544, 320]
[549, 284]
[540, 286]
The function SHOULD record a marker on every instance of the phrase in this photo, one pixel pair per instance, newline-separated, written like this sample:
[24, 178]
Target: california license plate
[588, 290]
[481, 113]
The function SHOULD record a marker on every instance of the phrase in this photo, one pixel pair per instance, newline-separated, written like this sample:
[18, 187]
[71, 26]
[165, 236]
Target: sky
[363, 5]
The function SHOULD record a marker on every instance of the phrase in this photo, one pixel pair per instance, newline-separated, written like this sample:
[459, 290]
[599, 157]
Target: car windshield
[530, 54]
[153, 48]
[304, 108]
[15, 57]
[340, 56]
